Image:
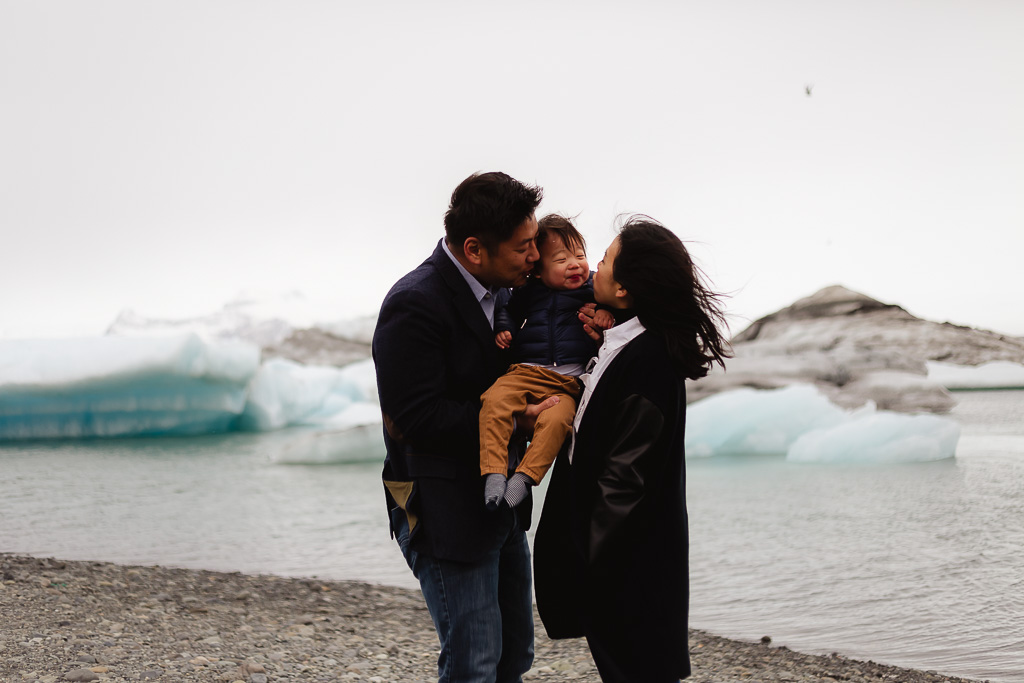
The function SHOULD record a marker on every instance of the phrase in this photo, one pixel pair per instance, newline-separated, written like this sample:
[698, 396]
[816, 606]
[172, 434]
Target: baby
[550, 349]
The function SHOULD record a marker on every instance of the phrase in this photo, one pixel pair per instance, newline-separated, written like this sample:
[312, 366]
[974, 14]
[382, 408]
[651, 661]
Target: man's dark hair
[489, 206]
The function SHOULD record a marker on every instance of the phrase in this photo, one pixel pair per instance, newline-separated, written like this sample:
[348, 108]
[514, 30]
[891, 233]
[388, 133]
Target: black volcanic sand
[96, 621]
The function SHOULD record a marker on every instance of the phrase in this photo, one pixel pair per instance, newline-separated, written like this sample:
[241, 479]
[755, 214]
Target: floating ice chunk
[748, 421]
[327, 446]
[119, 386]
[801, 423]
[997, 374]
[880, 437]
[285, 393]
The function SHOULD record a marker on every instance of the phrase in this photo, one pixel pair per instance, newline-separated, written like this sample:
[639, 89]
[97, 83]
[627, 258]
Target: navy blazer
[435, 355]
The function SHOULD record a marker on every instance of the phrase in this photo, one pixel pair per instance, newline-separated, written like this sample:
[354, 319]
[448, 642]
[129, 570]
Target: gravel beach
[95, 621]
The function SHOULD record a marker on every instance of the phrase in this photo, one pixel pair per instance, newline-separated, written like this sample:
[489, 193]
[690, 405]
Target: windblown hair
[670, 297]
[556, 224]
[489, 206]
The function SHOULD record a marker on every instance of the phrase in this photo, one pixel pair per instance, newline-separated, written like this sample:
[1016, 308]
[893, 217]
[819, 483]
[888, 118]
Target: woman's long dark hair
[670, 297]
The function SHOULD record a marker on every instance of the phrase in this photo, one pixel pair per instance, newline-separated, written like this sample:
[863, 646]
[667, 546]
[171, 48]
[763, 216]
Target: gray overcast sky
[165, 155]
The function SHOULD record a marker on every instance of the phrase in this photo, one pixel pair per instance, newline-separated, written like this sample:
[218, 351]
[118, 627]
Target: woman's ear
[626, 299]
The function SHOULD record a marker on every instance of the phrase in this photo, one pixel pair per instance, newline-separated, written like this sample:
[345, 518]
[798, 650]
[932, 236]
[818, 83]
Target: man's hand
[587, 317]
[527, 420]
[503, 339]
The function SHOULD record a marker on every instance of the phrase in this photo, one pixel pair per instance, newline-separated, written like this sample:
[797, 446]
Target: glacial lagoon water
[917, 564]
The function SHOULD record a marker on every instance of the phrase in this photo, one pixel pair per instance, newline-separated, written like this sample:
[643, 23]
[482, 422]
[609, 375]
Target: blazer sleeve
[626, 474]
[410, 350]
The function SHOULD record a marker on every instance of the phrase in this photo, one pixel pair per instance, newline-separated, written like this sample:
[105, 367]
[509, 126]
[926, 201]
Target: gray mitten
[494, 489]
[517, 489]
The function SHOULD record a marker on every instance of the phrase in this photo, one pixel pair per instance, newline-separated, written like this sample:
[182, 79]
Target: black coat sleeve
[625, 475]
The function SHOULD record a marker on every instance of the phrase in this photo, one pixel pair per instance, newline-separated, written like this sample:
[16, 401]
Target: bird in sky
[808, 89]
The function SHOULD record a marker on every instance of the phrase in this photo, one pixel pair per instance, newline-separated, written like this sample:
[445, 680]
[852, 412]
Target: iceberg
[324, 415]
[750, 421]
[285, 393]
[880, 437]
[858, 350]
[120, 386]
[180, 385]
[802, 424]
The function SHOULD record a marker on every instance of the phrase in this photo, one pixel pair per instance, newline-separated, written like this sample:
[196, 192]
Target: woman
[611, 547]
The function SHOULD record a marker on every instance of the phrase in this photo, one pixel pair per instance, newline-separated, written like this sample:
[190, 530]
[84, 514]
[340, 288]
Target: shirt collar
[622, 334]
[479, 291]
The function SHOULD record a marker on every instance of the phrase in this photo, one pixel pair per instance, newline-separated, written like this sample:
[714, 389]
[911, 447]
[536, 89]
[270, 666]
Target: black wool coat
[611, 549]
[434, 353]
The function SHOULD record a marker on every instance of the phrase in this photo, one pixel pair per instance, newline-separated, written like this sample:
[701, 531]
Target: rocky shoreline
[96, 621]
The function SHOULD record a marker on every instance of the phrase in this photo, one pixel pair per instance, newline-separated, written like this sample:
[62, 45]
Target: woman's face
[606, 290]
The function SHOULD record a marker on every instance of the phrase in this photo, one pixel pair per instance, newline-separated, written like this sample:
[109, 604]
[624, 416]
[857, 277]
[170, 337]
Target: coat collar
[465, 301]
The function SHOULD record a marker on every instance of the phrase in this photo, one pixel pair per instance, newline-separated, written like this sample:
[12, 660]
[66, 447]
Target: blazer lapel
[467, 305]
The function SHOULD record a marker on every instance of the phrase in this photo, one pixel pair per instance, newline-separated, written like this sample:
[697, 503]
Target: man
[435, 355]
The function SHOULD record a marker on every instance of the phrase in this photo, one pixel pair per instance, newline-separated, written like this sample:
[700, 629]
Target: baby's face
[562, 267]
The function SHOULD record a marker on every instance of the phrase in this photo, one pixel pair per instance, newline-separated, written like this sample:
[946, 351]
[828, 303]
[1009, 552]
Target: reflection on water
[919, 564]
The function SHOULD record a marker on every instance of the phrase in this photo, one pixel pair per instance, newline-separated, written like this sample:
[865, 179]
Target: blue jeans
[483, 611]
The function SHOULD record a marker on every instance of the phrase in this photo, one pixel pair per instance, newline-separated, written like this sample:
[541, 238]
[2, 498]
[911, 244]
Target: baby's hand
[503, 339]
[604, 319]
[586, 316]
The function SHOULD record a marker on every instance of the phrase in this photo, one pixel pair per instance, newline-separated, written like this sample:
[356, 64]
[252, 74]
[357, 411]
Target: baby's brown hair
[555, 224]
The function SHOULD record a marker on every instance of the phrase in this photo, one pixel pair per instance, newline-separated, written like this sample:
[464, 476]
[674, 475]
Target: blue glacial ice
[799, 422]
[285, 393]
[753, 422]
[871, 436]
[183, 384]
[120, 386]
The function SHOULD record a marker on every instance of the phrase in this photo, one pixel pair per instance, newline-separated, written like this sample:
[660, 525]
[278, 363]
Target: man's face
[561, 266]
[512, 260]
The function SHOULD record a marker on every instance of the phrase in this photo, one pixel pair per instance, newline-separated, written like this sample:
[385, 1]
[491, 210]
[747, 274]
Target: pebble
[162, 624]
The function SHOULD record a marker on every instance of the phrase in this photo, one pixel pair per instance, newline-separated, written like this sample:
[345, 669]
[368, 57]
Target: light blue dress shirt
[485, 296]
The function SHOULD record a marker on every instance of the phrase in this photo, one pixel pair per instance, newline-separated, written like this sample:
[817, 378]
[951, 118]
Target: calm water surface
[920, 565]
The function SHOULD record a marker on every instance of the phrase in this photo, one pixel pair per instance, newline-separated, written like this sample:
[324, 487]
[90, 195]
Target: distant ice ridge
[286, 325]
[799, 422]
[174, 385]
[991, 375]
